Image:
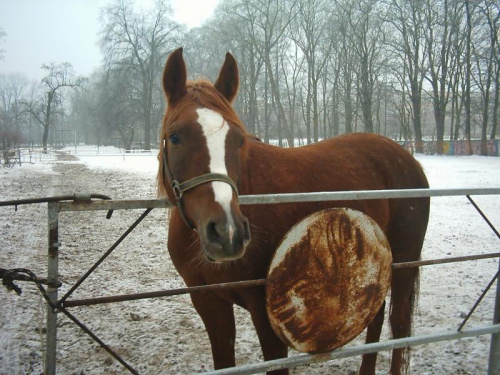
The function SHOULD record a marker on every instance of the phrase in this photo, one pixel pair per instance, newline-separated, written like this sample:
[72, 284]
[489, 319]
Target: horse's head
[203, 146]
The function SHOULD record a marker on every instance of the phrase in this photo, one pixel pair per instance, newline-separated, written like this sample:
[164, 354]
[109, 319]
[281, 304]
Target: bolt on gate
[84, 203]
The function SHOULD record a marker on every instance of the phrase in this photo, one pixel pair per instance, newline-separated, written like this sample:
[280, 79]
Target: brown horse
[207, 158]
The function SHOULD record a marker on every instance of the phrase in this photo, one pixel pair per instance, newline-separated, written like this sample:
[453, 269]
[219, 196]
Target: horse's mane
[201, 93]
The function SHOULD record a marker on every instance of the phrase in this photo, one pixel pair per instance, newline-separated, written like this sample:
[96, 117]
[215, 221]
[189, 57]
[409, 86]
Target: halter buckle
[176, 187]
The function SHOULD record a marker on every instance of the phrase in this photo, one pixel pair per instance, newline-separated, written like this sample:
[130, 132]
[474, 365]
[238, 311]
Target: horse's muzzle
[225, 241]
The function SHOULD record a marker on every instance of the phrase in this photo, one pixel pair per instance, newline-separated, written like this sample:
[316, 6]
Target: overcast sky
[44, 31]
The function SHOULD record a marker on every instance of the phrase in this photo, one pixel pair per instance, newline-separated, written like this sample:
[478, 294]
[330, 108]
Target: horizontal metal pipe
[80, 197]
[116, 205]
[362, 195]
[115, 155]
[164, 293]
[304, 359]
[286, 198]
[432, 262]
[248, 283]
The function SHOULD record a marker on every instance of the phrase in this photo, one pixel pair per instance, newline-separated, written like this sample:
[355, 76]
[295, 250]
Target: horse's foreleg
[272, 346]
[372, 335]
[218, 316]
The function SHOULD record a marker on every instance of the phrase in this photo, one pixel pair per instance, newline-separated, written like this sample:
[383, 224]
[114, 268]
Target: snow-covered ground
[166, 335]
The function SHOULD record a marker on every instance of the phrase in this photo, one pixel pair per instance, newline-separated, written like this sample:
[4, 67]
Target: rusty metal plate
[328, 279]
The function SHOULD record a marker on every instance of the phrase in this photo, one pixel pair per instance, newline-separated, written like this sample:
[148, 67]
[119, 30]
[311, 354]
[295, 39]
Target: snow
[111, 158]
[166, 335]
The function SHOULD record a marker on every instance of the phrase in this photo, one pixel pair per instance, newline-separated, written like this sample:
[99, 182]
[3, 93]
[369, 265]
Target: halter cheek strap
[179, 188]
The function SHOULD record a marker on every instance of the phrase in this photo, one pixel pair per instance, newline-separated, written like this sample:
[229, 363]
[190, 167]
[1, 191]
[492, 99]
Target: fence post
[494, 363]
[52, 276]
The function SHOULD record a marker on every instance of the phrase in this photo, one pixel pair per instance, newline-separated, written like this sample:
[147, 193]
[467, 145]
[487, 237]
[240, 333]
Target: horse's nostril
[246, 227]
[212, 233]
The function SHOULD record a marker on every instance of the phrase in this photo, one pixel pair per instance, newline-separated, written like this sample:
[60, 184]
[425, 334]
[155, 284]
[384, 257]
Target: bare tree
[348, 67]
[42, 107]
[403, 106]
[468, 73]
[268, 22]
[496, 100]
[409, 44]
[440, 25]
[310, 33]
[366, 34]
[317, 68]
[486, 54]
[227, 32]
[457, 79]
[13, 89]
[291, 66]
[140, 41]
[332, 76]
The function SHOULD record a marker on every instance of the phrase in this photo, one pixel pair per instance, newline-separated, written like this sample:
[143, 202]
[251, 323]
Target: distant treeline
[309, 69]
[456, 147]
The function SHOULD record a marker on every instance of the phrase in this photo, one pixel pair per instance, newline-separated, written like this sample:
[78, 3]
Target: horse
[207, 159]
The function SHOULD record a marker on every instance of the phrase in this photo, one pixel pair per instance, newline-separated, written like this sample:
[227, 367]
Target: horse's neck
[262, 164]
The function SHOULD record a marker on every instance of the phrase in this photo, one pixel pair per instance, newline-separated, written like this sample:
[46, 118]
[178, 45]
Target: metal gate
[57, 304]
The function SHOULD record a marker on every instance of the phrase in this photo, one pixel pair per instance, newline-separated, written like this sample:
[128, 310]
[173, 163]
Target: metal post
[494, 363]
[52, 276]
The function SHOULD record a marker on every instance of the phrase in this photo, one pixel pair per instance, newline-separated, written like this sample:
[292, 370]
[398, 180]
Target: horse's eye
[242, 141]
[174, 139]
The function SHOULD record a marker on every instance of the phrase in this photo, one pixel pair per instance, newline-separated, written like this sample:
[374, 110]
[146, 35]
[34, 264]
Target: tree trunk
[276, 95]
[46, 124]
[496, 103]
[417, 123]
[348, 107]
[315, 114]
[336, 102]
[147, 99]
[308, 105]
[439, 117]
[467, 103]
[366, 97]
[484, 125]
[45, 138]
[458, 119]
[335, 109]
[252, 95]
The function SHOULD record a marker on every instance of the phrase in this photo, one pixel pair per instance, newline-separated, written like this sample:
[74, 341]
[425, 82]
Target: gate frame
[54, 208]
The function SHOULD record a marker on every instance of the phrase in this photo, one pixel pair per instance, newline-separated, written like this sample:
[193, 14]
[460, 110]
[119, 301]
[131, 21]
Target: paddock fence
[87, 202]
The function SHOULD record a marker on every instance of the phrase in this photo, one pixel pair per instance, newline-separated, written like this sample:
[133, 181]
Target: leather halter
[179, 188]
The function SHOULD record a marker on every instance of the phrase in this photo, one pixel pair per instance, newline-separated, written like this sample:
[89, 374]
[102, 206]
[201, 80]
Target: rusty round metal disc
[328, 279]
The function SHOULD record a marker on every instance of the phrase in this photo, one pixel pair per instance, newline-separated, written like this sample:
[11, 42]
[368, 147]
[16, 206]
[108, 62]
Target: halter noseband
[180, 188]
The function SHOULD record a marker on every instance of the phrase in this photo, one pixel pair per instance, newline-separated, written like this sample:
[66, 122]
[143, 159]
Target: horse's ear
[174, 76]
[229, 80]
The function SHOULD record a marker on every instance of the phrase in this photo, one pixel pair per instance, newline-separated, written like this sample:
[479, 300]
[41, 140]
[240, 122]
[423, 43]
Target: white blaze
[215, 130]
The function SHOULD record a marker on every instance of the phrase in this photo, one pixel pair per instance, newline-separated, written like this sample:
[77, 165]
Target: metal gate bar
[285, 198]
[304, 359]
[494, 361]
[52, 292]
[103, 345]
[104, 256]
[478, 301]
